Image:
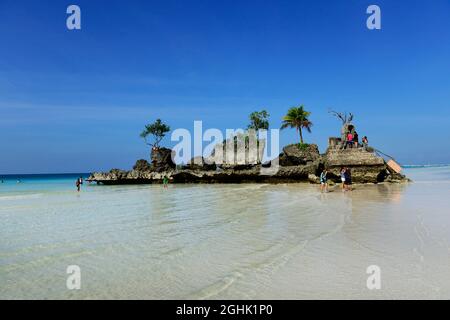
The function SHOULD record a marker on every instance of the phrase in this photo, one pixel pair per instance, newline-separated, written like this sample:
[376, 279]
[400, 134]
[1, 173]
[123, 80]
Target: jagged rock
[237, 167]
[142, 165]
[295, 173]
[366, 167]
[219, 176]
[117, 173]
[199, 163]
[394, 177]
[352, 157]
[245, 151]
[162, 159]
[313, 178]
[293, 155]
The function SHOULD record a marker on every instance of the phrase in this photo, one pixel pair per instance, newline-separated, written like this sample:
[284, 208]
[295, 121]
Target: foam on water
[21, 197]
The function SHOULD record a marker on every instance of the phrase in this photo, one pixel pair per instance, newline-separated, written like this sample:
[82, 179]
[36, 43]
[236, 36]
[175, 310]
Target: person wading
[348, 179]
[78, 184]
[324, 181]
[343, 178]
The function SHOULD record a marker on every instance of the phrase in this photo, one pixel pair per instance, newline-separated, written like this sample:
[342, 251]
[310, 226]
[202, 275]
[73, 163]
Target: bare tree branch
[343, 116]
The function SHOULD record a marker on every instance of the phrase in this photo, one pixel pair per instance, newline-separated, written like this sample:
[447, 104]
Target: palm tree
[297, 117]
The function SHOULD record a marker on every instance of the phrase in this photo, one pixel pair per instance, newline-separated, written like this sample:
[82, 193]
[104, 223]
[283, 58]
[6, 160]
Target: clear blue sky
[73, 101]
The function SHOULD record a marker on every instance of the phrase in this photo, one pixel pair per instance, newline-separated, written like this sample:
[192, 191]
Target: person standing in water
[343, 178]
[78, 184]
[323, 181]
[348, 179]
[165, 182]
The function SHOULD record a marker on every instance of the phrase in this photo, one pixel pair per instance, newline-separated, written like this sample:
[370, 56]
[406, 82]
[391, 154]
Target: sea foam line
[20, 197]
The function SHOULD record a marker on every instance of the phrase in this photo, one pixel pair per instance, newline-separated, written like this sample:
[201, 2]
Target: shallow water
[249, 241]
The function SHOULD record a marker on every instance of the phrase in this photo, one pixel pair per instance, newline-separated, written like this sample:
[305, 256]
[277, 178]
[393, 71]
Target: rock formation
[294, 164]
[142, 165]
[294, 155]
[365, 167]
[162, 159]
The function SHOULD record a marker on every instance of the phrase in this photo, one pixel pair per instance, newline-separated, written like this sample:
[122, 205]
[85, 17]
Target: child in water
[165, 182]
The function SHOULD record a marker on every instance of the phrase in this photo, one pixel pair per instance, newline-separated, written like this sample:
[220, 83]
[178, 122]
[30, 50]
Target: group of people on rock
[346, 178]
[352, 140]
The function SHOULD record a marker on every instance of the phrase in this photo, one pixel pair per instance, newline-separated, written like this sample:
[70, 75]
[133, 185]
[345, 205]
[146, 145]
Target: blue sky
[76, 101]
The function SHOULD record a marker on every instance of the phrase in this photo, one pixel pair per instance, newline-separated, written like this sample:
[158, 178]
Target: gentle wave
[21, 197]
[412, 166]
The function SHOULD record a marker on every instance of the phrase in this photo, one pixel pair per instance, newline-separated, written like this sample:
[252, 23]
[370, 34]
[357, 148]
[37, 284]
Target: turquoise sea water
[240, 241]
[19, 183]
